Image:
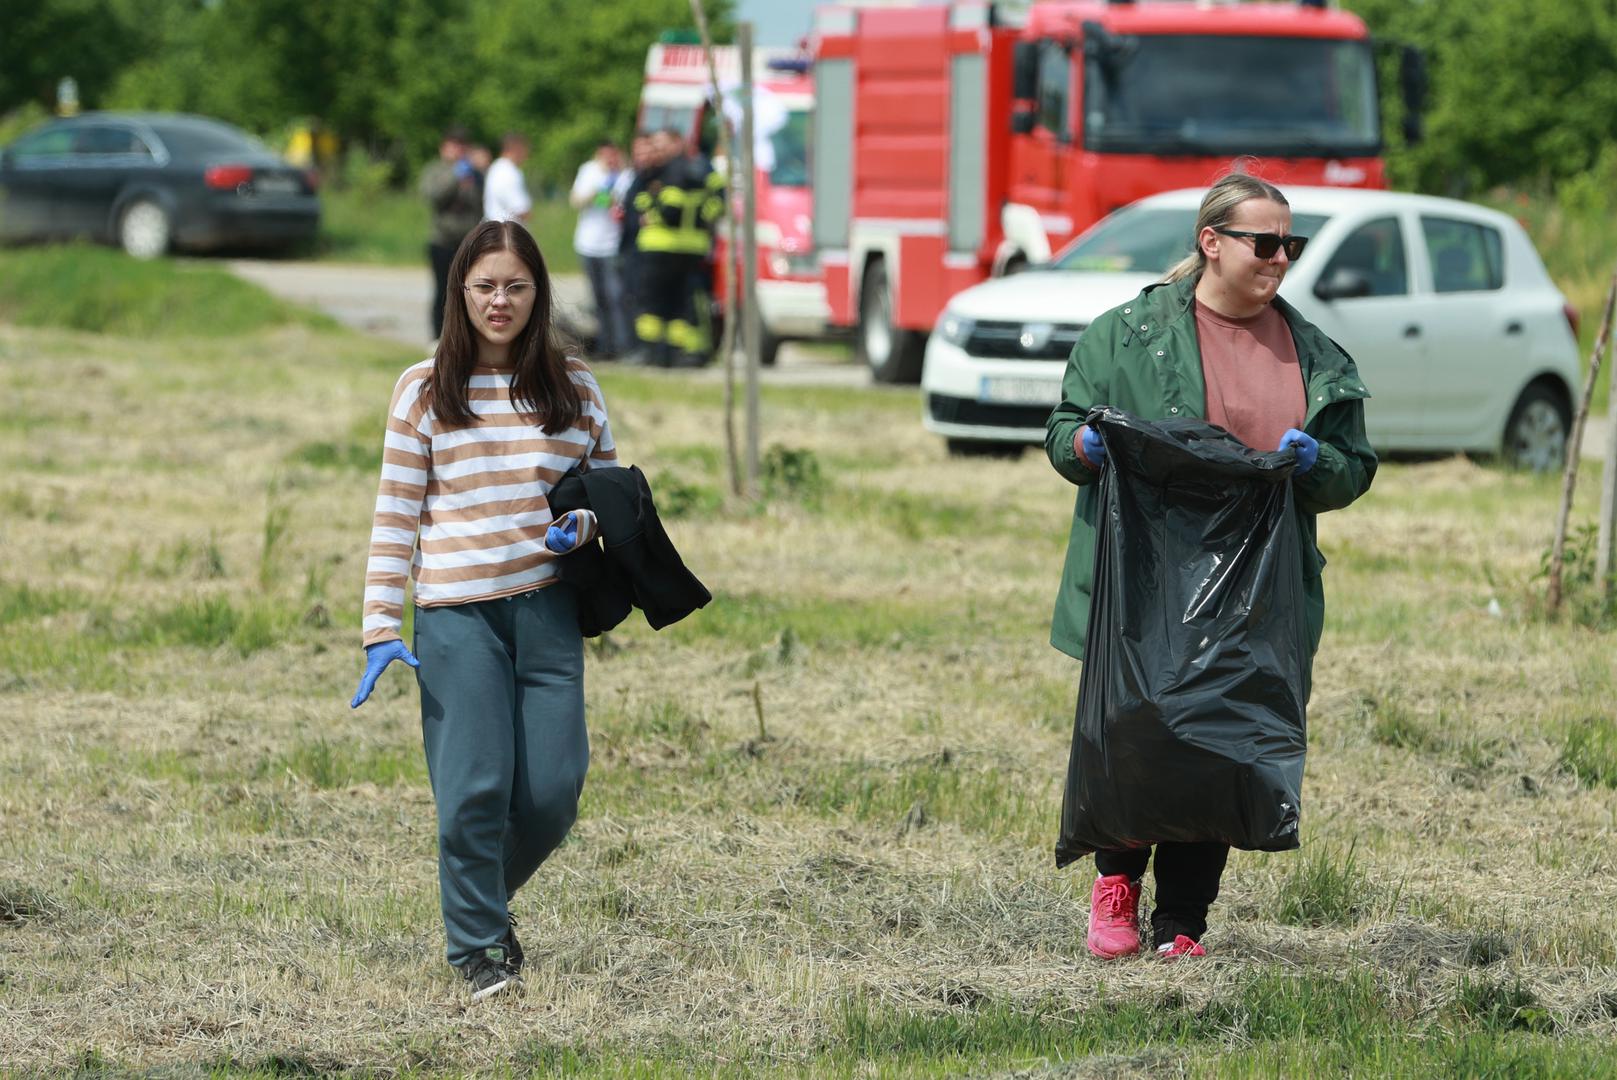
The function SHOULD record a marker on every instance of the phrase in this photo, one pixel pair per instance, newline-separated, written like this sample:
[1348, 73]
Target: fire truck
[957, 141]
[676, 94]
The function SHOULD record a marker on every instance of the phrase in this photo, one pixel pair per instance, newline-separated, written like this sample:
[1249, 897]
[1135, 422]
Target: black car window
[1466, 256]
[193, 141]
[103, 140]
[52, 142]
[1376, 250]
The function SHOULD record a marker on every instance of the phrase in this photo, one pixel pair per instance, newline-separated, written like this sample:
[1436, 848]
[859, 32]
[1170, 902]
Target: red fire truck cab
[791, 296]
[953, 142]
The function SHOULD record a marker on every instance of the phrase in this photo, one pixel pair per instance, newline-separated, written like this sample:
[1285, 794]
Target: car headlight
[955, 329]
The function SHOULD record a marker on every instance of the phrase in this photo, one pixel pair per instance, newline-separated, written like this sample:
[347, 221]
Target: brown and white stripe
[462, 512]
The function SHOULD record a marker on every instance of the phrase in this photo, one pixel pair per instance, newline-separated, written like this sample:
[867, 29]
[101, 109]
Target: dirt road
[391, 302]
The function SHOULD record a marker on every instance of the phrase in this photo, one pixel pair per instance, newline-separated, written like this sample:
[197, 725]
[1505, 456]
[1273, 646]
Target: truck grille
[1023, 341]
[947, 409]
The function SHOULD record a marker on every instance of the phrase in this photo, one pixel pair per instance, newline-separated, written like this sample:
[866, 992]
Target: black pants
[1187, 877]
[440, 255]
[614, 336]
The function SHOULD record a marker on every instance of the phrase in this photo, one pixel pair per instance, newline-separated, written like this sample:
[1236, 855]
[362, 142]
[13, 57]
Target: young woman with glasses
[1212, 341]
[477, 436]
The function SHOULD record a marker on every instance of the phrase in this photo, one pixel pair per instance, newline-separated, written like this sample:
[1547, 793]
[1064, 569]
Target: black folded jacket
[632, 563]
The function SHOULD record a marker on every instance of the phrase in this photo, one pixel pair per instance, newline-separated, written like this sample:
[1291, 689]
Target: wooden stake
[1569, 480]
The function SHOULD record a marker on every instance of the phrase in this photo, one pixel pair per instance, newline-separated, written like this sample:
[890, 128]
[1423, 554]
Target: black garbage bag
[1191, 717]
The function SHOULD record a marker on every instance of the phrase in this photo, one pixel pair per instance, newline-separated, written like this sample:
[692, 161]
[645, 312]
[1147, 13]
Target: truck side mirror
[1025, 70]
[1412, 82]
[1343, 283]
[1023, 119]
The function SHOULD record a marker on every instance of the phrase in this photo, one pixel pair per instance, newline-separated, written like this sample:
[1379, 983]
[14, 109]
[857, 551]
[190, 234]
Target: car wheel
[892, 354]
[979, 448]
[1536, 435]
[144, 229]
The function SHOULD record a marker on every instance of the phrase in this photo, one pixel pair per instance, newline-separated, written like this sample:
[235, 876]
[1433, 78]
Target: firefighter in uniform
[678, 208]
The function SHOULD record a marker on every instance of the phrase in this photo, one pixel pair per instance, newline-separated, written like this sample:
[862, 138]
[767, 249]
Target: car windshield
[1148, 240]
[1190, 94]
[190, 141]
[791, 151]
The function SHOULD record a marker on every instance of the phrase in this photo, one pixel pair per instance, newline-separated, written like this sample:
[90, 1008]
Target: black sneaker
[513, 947]
[488, 973]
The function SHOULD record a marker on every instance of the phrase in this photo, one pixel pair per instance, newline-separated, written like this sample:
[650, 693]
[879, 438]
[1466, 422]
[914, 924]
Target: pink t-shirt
[1254, 382]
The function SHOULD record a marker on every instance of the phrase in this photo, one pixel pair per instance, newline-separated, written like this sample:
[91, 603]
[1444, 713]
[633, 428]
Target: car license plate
[275, 185]
[1019, 390]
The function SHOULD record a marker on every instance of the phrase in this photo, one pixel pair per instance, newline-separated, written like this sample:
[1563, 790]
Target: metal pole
[1605, 557]
[749, 253]
[728, 338]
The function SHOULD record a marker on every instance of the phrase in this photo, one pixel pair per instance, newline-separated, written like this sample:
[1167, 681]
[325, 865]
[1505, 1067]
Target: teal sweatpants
[502, 719]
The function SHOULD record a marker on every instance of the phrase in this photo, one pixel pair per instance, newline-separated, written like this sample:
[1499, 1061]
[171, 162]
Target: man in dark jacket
[453, 189]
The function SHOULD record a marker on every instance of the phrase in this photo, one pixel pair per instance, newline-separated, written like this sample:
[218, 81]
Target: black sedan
[150, 182]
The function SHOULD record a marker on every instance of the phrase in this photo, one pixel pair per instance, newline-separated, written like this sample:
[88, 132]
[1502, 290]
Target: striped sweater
[462, 512]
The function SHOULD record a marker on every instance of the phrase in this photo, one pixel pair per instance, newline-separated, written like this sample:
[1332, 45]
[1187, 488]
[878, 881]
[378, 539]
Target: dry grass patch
[816, 838]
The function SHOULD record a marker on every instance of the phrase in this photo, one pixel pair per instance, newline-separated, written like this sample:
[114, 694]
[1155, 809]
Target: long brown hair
[540, 385]
[1218, 210]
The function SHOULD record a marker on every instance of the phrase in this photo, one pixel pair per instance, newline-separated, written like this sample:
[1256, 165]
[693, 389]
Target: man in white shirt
[595, 239]
[505, 192]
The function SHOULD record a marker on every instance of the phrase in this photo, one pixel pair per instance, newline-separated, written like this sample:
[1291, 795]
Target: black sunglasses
[1265, 244]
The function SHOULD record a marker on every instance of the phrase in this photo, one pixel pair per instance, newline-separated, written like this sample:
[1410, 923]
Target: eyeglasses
[1265, 244]
[516, 292]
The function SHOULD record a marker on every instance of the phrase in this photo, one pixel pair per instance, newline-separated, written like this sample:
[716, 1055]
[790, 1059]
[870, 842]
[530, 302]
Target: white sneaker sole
[500, 987]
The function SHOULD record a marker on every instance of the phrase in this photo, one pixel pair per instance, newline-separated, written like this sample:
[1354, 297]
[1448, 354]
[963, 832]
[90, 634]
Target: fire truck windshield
[790, 142]
[1209, 94]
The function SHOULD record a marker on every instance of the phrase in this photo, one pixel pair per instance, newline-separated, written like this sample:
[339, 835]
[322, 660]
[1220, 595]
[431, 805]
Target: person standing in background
[505, 191]
[596, 238]
[630, 183]
[454, 193]
[678, 209]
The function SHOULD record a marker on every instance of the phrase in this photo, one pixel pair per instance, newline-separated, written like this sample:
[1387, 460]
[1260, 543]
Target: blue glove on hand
[463, 170]
[377, 658]
[1305, 446]
[1094, 449]
[562, 537]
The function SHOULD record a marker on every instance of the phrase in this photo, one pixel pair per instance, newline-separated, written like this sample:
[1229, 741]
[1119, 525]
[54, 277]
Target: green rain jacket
[1144, 358]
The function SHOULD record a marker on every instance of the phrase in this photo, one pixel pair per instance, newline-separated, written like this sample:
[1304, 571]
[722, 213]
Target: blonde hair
[1218, 210]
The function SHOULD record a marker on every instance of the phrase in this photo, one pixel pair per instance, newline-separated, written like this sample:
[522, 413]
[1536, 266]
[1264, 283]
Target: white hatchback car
[1456, 327]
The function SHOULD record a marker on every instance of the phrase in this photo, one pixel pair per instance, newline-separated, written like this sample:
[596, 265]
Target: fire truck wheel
[768, 347]
[892, 353]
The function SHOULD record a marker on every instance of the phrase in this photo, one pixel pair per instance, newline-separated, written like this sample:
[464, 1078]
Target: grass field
[816, 839]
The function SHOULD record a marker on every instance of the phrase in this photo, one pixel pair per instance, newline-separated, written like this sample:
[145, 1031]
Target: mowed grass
[817, 835]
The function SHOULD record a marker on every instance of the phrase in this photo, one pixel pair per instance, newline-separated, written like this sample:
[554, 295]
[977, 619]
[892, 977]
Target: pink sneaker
[1182, 946]
[1114, 917]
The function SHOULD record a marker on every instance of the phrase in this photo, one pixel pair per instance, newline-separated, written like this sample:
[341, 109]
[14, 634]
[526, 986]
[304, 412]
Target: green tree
[1521, 90]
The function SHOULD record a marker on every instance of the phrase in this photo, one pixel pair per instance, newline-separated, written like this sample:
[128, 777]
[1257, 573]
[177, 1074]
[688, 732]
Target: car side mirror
[1343, 283]
[1025, 69]
[1023, 120]
[1413, 82]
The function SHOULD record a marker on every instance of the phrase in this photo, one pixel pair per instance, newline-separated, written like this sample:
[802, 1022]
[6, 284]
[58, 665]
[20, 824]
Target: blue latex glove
[1305, 446]
[562, 537]
[463, 169]
[1094, 449]
[377, 658]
